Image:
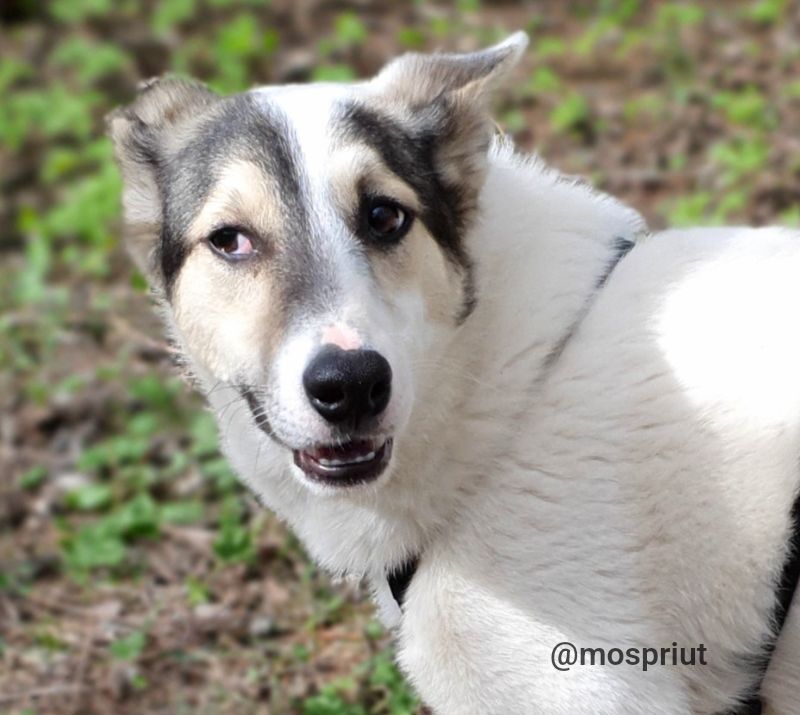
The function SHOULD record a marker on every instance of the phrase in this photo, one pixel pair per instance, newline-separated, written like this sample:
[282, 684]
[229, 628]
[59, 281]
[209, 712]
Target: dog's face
[308, 242]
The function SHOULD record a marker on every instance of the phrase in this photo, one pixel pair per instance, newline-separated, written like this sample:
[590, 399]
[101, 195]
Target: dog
[486, 388]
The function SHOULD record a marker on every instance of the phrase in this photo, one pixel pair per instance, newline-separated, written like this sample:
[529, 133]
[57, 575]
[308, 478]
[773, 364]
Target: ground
[135, 575]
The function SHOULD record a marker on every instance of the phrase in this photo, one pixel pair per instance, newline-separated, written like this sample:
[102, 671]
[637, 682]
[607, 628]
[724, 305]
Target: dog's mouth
[354, 462]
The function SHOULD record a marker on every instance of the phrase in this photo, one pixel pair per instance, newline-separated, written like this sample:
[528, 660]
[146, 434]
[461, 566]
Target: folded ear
[448, 97]
[418, 80]
[144, 134]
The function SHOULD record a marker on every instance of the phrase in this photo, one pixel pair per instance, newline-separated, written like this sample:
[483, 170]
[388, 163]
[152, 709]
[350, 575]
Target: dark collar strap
[400, 579]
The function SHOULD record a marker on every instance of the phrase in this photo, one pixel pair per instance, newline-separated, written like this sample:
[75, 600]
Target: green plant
[740, 157]
[690, 210]
[128, 647]
[234, 542]
[747, 107]
[570, 113]
[765, 12]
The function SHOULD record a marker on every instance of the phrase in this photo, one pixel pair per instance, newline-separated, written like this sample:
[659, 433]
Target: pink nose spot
[342, 335]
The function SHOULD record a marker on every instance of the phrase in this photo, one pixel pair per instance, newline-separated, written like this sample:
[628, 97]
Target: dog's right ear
[144, 134]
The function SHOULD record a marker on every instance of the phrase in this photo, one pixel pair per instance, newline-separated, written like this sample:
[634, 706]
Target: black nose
[348, 385]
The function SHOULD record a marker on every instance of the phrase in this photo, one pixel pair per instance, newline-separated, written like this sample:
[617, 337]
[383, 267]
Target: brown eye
[386, 219]
[231, 242]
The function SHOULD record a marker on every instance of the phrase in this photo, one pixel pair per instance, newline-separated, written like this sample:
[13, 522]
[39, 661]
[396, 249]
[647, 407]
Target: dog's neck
[541, 244]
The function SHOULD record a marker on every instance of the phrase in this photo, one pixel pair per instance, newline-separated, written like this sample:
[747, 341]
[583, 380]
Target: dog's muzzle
[349, 389]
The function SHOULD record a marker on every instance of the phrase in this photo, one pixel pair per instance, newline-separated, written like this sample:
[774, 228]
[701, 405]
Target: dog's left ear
[419, 80]
[447, 97]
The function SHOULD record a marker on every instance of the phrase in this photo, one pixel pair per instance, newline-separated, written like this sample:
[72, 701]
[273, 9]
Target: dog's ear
[418, 80]
[448, 97]
[144, 134]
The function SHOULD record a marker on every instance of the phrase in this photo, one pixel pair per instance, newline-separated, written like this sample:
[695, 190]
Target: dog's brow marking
[248, 128]
[242, 197]
[241, 128]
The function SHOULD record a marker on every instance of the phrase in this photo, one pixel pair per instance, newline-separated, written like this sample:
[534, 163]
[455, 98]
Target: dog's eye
[231, 242]
[386, 219]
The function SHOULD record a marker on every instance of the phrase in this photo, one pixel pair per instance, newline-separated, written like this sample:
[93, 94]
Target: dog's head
[308, 242]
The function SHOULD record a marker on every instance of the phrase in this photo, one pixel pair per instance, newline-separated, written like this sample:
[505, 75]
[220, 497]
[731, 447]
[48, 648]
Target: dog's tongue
[351, 450]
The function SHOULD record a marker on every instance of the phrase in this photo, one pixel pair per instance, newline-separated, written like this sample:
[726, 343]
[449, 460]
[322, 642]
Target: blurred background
[135, 575]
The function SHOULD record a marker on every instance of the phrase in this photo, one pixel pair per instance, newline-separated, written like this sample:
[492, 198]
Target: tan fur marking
[356, 167]
[419, 265]
[229, 315]
[244, 195]
[228, 318]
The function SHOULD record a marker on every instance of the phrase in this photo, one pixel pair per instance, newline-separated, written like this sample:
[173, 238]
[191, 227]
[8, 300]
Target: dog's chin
[345, 464]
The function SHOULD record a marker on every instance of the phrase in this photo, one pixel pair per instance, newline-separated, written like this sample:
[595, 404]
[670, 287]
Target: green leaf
[139, 517]
[233, 542]
[196, 592]
[182, 512]
[411, 38]
[349, 29]
[33, 477]
[329, 702]
[89, 60]
[156, 393]
[114, 451]
[333, 73]
[91, 497]
[129, 647]
[94, 547]
[70, 11]
[169, 13]
[765, 12]
[543, 81]
[203, 432]
[220, 472]
[570, 113]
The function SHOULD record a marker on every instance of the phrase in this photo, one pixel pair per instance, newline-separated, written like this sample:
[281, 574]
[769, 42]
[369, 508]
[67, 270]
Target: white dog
[485, 388]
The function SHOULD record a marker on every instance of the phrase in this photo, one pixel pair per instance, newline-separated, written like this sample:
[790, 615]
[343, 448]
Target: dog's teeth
[342, 462]
[332, 462]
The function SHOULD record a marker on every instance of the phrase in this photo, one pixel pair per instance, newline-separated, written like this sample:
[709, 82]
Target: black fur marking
[257, 410]
[410, 153]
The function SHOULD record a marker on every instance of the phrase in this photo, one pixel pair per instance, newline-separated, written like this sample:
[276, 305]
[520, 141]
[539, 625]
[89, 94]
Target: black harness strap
[400, 579]
[787, 587]
[791, 573]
